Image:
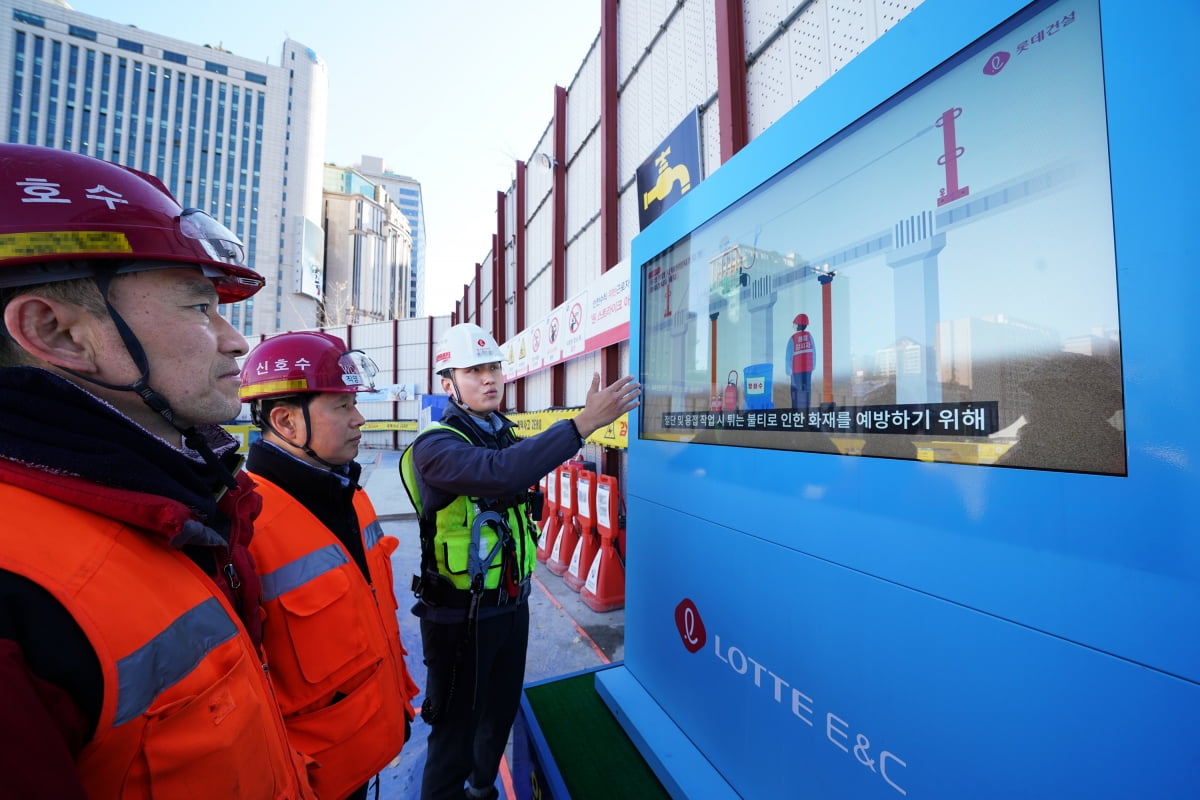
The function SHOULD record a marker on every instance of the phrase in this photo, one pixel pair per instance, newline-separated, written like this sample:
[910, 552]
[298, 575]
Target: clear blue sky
[457, 124]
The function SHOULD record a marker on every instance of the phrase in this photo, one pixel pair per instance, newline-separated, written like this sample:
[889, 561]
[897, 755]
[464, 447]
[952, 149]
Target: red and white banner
[596, 317]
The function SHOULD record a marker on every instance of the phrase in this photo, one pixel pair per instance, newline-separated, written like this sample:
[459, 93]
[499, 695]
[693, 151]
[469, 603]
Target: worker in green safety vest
[469, 479]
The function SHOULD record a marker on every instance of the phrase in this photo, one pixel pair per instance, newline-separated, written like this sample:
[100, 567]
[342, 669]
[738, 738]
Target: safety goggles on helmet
[358, 370]
[305, 362]
[218, 241]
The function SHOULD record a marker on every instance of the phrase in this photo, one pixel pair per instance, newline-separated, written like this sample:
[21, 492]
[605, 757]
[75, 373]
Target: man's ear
[286, 421]
[56, 332]
[447, 385]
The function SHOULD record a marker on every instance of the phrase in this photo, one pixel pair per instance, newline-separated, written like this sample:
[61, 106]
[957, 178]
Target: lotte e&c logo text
[755, 676]
[690, 626]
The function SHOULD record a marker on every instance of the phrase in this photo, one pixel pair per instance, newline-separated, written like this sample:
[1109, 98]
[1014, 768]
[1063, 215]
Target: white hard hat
[466, 345]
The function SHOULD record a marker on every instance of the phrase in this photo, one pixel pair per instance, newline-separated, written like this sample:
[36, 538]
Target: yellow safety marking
[40, 243]
[271, 387]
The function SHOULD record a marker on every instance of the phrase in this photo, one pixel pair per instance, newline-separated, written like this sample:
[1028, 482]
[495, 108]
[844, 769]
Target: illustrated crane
[910, 247]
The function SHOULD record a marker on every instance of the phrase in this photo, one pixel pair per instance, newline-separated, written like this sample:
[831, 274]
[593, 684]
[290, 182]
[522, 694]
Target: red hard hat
[801, 319]
[304, 362]
[60, 212]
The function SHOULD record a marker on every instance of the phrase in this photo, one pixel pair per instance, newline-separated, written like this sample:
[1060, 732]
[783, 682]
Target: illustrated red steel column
[715, 398]
[826, 281]
[949, 158]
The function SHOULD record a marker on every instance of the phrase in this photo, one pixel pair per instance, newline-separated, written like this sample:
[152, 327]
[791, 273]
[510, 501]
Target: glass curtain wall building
[368, 248]
[406, 193]
[238, 138]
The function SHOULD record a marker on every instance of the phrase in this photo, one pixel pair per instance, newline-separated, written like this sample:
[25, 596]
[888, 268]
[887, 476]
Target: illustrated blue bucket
[756, 386]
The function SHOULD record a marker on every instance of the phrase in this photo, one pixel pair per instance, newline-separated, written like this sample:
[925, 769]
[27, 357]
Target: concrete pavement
[565, 636]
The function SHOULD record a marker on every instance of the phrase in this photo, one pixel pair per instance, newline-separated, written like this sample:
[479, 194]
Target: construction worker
[129, 606]
[799, 362]
[330, 633]
[469, 478]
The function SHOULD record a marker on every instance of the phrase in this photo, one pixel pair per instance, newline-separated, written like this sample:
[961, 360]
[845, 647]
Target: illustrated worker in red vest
[801, 352]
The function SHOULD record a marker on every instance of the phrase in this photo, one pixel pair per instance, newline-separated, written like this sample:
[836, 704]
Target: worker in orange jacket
[129, 605]
[330, 633]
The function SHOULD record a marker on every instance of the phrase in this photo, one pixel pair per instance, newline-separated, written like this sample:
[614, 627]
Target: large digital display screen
[937, 282]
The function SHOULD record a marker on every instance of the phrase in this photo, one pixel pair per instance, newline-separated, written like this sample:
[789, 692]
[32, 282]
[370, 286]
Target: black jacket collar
[327, 495]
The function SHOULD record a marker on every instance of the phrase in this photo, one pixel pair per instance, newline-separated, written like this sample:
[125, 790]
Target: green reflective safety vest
[446, 537]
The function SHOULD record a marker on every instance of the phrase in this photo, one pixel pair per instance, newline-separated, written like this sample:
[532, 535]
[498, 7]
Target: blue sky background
[456, 124]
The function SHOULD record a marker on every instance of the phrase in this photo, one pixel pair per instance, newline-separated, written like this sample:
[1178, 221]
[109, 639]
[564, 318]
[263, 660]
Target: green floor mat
[591, 751]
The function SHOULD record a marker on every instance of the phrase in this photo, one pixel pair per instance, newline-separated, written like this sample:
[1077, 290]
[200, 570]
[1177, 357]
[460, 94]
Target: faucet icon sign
[668, 176]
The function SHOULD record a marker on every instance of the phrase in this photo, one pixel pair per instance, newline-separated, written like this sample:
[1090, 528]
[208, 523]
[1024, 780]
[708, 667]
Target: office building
[368, 251]
[406, 193]
[239, 138]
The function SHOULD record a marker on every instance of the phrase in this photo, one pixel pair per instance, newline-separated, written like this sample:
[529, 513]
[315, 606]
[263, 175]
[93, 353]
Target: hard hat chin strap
[302, 400]
[456, 398]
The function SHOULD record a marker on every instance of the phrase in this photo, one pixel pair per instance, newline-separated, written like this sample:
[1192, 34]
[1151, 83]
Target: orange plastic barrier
[589, 539]
[568, 533]
[551, 517]
[604, 588]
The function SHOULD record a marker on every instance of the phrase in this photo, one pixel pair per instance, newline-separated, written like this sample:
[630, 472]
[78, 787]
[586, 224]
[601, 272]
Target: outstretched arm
[450, 466]
[603, 406]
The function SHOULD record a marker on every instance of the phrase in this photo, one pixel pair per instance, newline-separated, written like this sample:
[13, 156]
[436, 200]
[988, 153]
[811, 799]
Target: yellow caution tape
[533, 422]
[390, 425]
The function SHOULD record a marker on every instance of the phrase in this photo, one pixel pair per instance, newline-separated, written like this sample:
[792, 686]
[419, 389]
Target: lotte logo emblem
[690, 626]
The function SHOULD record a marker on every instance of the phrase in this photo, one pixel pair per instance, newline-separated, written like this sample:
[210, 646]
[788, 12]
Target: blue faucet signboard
[670, 172]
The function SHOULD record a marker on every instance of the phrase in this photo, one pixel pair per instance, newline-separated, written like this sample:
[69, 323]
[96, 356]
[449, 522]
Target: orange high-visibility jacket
[187, 710]
[332, 640]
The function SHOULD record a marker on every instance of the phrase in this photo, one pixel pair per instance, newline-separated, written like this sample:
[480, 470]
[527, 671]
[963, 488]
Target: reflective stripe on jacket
[332, 640]
[453, 528]
[186, 710]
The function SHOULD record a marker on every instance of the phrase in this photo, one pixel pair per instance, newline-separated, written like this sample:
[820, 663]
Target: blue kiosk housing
[971, 568]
